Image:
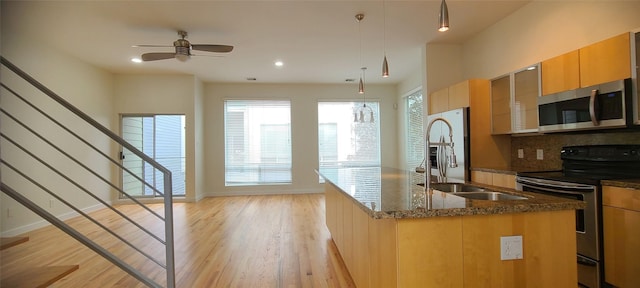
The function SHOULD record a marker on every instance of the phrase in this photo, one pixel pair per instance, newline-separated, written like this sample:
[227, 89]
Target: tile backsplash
[551, 144]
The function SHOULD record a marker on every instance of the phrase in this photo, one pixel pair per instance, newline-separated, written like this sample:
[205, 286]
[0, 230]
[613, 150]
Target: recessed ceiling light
[278, 63]
[136, 60]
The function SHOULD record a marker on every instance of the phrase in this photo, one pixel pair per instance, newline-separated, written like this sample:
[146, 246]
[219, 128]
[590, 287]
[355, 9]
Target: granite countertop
[624, 183]
[387, 193]
[511, 171]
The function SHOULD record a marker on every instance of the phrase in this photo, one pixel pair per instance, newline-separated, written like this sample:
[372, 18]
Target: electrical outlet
[511, 247]
[520, 153]
[539, 154]
[9, 213]
[51, 203]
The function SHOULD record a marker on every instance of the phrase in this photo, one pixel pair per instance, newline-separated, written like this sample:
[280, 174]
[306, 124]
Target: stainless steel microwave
[604, 106]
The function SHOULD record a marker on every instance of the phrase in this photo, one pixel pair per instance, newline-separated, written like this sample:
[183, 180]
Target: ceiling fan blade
[212, 48]
[143, 46]
[157, 56]
[202, 55]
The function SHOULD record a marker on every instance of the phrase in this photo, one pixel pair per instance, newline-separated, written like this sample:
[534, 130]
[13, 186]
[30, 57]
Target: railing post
[168, 222]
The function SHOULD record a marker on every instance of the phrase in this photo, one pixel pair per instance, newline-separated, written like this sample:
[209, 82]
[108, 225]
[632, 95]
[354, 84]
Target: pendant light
[443, 17]
[385, 64]
[359, 18]
[359, 114]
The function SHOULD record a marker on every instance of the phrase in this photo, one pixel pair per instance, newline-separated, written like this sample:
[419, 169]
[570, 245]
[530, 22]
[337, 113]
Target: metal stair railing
[166, 193]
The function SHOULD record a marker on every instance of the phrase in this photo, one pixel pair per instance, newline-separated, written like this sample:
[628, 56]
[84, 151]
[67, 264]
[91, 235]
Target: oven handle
[593, 107]
[554, 191]
[585, 262]
[553, 186]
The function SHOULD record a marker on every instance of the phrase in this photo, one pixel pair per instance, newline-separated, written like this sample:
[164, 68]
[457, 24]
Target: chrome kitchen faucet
[453, 163]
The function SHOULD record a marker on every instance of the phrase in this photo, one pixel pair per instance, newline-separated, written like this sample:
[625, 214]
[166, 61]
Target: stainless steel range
[582, 169]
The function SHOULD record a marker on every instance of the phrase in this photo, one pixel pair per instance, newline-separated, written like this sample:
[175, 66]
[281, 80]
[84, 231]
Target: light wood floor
[245, 241]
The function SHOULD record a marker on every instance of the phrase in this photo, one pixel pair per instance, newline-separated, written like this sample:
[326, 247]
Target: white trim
[42, 223]
[262, 192]
[414, 90]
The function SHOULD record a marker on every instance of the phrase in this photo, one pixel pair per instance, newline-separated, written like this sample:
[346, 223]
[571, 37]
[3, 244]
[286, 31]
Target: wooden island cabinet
[387, 241]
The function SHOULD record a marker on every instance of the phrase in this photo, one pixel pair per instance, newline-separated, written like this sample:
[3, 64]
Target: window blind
[257, 142]
[415, 138]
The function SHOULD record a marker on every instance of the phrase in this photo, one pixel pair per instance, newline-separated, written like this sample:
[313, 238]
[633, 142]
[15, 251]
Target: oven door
[587, 227]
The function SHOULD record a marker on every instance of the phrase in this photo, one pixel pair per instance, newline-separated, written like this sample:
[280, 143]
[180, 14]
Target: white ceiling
[318, 41]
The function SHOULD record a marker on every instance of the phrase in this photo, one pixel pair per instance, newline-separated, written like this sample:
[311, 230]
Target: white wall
[84, 86]
[538, 31]
[444, 66]
[304, 129]
[544, 29]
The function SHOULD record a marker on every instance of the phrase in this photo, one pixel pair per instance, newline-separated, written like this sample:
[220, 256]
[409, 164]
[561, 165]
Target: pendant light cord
[384, 29]
[360, 34]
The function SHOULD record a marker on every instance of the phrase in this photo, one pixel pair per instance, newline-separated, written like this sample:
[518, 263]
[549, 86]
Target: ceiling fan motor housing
[183, 49]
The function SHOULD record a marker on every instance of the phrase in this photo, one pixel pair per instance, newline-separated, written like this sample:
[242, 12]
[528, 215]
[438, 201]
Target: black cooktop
[592, 163]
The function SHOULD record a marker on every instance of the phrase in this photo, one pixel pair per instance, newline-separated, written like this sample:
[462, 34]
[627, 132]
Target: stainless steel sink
[474, 192]
[489, 195]
[456, 187]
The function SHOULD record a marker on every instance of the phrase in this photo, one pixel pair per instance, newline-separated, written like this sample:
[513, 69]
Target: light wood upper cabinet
[439, 101]
[606, 61]
[601, 62]
[621, 217]
[459, 95]
[514, 101]
[501, 105]
[561, 73]
[453, 97]
[486, 150]
[526, 90]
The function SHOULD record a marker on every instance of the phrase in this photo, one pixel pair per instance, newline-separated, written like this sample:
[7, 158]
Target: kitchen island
[392, 234]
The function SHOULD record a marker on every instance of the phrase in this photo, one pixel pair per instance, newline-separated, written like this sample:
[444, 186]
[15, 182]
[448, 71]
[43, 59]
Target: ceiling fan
[183, 49]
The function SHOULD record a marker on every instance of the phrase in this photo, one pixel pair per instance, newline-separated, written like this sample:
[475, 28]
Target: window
[161, 137]
[415, 138]
[257, 142]
[343, 142]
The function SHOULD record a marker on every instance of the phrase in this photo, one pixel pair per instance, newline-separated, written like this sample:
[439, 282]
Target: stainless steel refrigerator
[439, 155]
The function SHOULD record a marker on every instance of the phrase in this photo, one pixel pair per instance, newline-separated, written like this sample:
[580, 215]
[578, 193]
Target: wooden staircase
[34, 277]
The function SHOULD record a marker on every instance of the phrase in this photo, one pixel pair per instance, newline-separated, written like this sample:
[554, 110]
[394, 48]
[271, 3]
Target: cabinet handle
[593, 107]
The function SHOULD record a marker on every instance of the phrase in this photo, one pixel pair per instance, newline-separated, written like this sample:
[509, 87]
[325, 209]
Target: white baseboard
[43, 223]
[262, 192]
